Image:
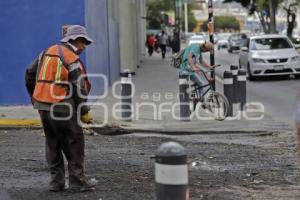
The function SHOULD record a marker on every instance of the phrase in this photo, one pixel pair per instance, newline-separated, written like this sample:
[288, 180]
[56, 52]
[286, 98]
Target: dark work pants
[163, 49]
[150, 50]
[63, 137]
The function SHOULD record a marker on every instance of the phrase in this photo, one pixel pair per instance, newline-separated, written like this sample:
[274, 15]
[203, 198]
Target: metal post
[171, 172]
[184, 98]
[211, 36]
[126, 96]
[176, 46]
[242, 87]
[228, 90]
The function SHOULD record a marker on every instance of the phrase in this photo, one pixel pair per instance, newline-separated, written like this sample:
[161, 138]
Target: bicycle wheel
[218, 105]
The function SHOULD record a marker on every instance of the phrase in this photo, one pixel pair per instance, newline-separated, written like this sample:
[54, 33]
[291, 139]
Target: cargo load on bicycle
[177, 59]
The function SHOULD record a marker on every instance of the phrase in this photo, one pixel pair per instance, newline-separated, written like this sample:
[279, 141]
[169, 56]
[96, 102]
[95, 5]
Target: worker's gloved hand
[86, 118]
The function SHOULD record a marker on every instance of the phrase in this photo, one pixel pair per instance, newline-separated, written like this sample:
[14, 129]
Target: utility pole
[211, 36]
[176, 46]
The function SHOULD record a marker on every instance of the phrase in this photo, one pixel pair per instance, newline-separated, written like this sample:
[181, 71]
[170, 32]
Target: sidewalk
[156, 93]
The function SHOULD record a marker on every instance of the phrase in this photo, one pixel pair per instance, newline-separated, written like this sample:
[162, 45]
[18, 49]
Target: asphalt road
[277, 94]
[221, 166]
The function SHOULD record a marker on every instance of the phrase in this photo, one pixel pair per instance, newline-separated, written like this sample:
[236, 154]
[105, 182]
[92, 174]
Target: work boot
[56, 188]
[82, 184]
[57, 183]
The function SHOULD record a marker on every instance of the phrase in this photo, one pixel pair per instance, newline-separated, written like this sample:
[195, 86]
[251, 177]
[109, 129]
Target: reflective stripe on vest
[45, 67]
[58, 71]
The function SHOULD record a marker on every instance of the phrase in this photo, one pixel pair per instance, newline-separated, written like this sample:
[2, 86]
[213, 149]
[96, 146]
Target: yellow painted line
[20, 122]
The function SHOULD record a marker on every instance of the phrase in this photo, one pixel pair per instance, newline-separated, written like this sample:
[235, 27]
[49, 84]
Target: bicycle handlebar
[210, 70]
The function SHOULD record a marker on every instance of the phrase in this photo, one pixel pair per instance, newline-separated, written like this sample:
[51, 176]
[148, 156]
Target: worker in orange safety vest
[58, 86]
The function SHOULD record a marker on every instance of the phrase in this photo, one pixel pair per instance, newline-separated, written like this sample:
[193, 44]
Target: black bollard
[184, 98]
[242, 88]
[171, 172]
[228, 90]
[126, 96]
[234, 71]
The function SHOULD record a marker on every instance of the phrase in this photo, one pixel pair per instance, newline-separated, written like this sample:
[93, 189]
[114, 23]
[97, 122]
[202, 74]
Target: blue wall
[103, 54]
[97, 53]
[27, 27]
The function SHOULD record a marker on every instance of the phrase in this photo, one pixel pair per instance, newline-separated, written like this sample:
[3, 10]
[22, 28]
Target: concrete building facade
[29, 26]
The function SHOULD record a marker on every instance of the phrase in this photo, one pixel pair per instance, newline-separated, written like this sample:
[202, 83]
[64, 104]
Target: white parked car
[198, 39]
[268, 55]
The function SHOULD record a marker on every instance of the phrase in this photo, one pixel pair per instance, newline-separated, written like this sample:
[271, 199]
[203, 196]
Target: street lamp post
[211, 36]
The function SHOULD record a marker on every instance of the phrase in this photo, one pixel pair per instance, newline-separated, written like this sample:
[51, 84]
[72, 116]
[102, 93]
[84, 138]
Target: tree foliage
[223, 23]
[265, 9]
[191, 19]
[155, 8]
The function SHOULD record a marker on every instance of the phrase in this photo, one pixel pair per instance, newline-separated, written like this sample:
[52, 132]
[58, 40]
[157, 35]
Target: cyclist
[192, 58]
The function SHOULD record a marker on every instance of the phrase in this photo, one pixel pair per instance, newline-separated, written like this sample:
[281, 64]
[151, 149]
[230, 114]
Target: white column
[186, 18]
[127, 35]
[142, 27]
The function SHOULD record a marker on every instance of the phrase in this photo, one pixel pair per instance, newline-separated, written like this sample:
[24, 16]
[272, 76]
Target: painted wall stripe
[20, 122]
[171, 174]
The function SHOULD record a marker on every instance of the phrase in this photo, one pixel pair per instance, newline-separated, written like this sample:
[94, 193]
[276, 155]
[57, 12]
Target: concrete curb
[128, 128]
[198, 132]
[125, 130]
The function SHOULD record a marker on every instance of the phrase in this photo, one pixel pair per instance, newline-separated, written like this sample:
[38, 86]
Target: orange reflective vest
[53, 76]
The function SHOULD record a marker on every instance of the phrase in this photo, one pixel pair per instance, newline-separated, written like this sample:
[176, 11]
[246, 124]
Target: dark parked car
[236, 41]
[223, 40]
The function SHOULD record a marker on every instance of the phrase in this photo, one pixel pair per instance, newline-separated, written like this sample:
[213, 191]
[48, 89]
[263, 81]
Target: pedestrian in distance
[150, 42]
[58, 86]
[156, 45]
[163, 42]
[192, 60]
